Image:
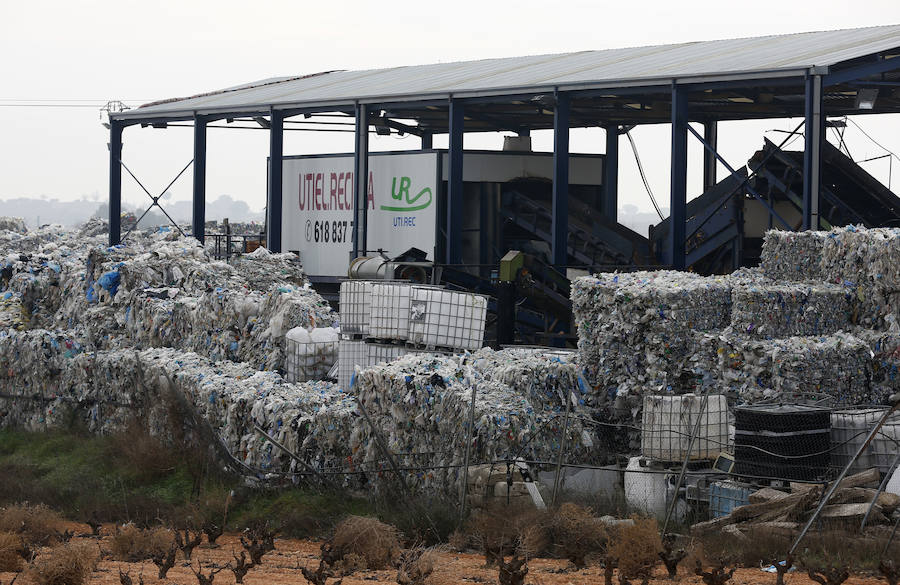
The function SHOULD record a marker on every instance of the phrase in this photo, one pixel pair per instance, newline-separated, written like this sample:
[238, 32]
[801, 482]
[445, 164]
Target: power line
[640, 167]
[33, 105]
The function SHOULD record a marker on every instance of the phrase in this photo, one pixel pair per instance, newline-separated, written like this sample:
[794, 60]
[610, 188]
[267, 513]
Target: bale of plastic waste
[774, 311]
[794, 256]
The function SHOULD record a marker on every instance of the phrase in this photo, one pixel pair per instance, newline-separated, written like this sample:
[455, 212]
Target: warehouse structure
[810, 75]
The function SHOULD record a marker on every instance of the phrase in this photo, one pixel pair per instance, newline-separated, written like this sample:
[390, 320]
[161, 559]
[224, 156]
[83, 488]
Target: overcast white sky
[141, 51]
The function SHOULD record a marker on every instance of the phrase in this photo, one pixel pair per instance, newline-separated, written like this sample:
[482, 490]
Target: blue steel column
[611, 173]
[274, 205]
[812, 153]
[115, 182]
[198, 219]
[455, 183]
[427, 142]
[560, 231]
[678, 182]
[361, 180]
[711, 135]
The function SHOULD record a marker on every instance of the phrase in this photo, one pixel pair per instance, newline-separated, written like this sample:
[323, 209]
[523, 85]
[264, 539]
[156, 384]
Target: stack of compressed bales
[165, 291]
[49, 381]
[640, 330]
[420, 403]
[33, 369]
[859, 259]
[867, 260]
[775, 311]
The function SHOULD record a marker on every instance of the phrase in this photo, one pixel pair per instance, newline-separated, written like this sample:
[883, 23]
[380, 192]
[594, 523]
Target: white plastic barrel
[645, 489]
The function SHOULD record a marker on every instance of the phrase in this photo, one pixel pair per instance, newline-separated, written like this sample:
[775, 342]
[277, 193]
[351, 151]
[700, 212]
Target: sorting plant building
[432, 254]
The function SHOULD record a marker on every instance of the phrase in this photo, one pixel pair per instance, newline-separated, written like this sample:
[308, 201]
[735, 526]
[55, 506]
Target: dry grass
[37, 525]
[10, 544]
[576, 533]
[504, 530]
[636, 548]
[68, 564]
[132, 544]
[369, 538]
[415, 565]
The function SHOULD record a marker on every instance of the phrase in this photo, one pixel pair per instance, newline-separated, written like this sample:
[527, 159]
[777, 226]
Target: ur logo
[403, 194]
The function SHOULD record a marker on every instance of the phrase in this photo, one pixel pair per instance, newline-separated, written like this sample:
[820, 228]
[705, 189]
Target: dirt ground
[281, 567]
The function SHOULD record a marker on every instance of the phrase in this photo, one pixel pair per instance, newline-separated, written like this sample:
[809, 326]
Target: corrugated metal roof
[661, 64]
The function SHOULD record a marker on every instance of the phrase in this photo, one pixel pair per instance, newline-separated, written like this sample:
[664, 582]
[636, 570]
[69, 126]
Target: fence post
[465, 482]
[562, 448]
[687, 459]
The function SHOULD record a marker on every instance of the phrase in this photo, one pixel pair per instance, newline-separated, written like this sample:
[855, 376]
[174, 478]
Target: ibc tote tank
[667, 423]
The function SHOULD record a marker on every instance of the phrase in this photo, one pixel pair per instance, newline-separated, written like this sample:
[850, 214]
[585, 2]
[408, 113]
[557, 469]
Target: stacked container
[447, 319]
[387, 319]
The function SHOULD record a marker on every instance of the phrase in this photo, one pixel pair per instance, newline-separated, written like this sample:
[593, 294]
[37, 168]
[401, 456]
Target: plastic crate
[725, 496]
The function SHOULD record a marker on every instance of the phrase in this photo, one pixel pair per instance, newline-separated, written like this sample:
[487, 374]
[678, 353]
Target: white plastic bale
[443, 318]
[837, 365]
[12, 312]
[13, 224]
[641, 330]
[543, 375]
[776, 311]
[793, 256]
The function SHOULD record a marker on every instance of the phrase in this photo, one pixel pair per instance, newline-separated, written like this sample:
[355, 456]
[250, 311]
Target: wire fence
[701, 460]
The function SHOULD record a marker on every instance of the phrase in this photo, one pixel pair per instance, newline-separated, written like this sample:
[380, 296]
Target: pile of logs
[776, 512]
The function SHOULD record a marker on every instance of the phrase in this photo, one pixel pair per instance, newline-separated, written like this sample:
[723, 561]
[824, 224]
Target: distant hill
[42, 211]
